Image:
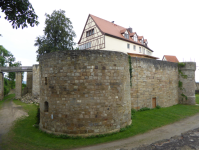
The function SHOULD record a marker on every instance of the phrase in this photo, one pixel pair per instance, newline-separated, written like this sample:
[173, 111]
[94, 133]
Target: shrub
[144, 109]
[158, 107]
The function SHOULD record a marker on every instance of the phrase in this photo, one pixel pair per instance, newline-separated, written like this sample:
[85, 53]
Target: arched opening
[45, 106]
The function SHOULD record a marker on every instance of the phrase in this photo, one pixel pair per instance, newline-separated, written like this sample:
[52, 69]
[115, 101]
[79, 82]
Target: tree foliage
[58, 34]
[8, 60]
[19, 13]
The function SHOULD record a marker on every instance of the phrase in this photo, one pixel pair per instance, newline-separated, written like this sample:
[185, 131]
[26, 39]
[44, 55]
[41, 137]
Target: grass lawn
[24, 136]
[197, 98]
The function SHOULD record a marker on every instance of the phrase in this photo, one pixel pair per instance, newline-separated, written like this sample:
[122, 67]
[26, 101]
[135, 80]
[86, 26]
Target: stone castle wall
[153, 80]
[188, 84]
[36, 81]
[84, 92]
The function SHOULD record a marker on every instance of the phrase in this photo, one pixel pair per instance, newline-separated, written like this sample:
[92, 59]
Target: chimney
[112, 21]
[130, 30]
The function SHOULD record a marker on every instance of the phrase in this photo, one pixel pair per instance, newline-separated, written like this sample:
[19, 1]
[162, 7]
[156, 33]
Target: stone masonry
[18, 85]
[188, 84]
[36, 81]
[153, 79]
[84, 92]
[29, 82]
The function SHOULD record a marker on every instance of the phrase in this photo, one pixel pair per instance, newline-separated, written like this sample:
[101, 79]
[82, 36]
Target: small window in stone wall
[45, 106]
[45, 80]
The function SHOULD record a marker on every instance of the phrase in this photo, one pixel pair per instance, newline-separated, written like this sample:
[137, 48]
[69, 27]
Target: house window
[89, 32]
[128, 46]
[45, 106]
[134, 47]
[140, 50]
[143, 51]
[135, 38]
[126, 36]
[85, 46]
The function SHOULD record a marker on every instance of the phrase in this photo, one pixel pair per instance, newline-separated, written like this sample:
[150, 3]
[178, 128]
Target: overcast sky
[170, 26]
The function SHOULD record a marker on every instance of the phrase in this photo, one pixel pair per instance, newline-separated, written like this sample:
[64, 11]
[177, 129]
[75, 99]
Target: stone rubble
[28, 99]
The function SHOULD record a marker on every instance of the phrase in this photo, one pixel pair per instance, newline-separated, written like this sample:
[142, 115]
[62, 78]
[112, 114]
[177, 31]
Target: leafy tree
[19, 12]
[8, 60]
[58, 34]
[5, 57]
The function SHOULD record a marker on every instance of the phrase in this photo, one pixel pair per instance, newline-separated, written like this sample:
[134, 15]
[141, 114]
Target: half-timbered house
[100, 34]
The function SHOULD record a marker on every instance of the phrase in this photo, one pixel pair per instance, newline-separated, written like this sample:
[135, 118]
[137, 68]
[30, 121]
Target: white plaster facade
[115, 44]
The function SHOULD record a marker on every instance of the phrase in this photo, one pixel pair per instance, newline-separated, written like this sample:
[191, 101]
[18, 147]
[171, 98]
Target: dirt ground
[8, 114]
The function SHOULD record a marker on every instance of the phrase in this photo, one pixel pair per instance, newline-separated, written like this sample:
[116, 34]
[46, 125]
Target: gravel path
[165, 132]
[8, 114]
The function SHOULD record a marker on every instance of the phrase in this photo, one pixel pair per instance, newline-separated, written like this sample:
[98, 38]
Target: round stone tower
[85, 92]
[188, 84]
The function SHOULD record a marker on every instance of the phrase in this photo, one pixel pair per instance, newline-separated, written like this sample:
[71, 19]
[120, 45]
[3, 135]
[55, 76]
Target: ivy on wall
[130, 71]
[180, 84]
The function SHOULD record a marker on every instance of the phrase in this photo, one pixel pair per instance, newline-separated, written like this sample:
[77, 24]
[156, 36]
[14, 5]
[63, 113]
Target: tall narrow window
[143, 51]
[45, 80]
[45, 106]
[128, 46]
[140, 50]
[134, 47]
[135, 38]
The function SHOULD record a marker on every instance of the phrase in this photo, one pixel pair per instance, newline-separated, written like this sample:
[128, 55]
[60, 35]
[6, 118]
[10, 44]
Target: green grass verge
[24, 136]
[197, 98]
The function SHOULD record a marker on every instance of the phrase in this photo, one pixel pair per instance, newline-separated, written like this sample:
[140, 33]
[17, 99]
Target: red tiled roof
[111, 29]
[140, 37]
[171, 58]
[122, 31]
[132, 34]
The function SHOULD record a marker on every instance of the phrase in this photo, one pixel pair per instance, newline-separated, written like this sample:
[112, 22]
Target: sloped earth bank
[8, 114]
[160, 138]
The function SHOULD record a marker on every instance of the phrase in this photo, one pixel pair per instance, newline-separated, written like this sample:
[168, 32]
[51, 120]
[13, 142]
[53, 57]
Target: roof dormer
[141, 39]
[134, 36]
[125, 33]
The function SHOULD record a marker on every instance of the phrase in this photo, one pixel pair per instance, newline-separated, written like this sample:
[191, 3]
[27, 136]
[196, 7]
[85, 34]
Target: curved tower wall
[188, 83]
[84, 92]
